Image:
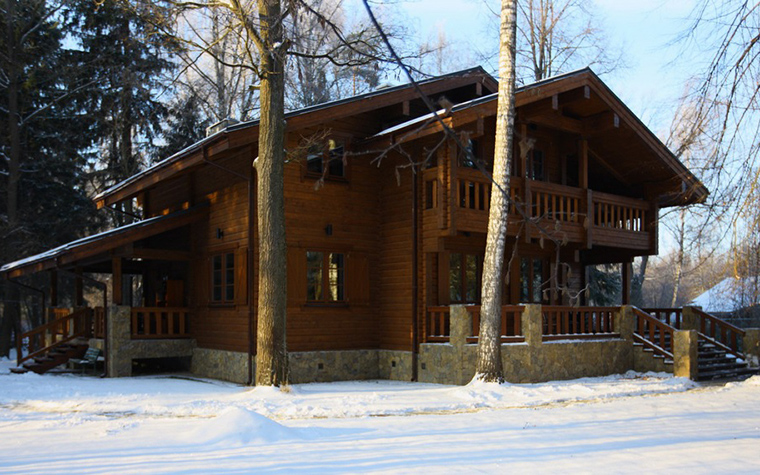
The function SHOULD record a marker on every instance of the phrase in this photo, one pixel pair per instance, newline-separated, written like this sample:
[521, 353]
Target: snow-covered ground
[630, 423]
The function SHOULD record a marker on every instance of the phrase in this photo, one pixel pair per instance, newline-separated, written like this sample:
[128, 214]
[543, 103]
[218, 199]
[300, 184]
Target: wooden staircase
[719, 358]
[56, 342]
[716, 364]
[57, 356]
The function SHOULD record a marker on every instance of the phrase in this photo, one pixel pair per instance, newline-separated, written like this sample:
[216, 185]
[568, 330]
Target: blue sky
[657, 70]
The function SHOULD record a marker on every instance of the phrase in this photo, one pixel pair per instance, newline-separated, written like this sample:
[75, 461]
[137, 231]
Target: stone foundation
[324, 366]
[395, 365]
[219, 364]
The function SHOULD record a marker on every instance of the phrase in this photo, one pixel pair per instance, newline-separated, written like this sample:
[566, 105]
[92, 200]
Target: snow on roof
[55, 252]
[729, 295]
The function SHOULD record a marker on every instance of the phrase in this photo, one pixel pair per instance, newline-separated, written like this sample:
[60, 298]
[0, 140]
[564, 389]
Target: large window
[327, 160]
[536, 167]
[532, 273]
[325, 277]
[464, 278]
[223, 277]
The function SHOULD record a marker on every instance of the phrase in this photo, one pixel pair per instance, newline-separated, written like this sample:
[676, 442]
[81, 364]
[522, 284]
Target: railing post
[460, 325]
[532, 325]
[685, 355]
[751, 342]
[690, 319]
[625, 322]
[119, 337]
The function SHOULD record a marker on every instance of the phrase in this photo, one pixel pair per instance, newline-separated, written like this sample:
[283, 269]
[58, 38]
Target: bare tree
[489, 343]
[557, 36]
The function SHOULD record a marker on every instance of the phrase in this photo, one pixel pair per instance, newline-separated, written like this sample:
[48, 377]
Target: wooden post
[53, 288]
[78, 288]
[116, 280]
[453, 188]
[627, 271]
[583, 164]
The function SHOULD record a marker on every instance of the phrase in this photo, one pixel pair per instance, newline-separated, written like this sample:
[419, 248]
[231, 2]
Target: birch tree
[489, 343]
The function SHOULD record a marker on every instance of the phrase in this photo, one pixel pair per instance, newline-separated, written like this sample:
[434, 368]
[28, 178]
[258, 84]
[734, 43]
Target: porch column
[78, 288]
[583, 164]
[53, 288]
[685, 354]
[627, 271]
[751, 344]
[116, 290]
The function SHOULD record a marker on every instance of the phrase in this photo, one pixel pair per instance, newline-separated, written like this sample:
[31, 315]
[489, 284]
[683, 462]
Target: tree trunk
[679, 257]
[271, 351]
[489, 344]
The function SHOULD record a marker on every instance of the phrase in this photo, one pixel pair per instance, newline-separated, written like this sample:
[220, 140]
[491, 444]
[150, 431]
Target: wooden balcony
[460, 203]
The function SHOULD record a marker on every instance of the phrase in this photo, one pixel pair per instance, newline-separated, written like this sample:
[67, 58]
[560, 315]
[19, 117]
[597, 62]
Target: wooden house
[386, 219]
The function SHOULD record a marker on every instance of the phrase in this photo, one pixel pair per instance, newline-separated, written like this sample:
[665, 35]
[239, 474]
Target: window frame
[325, 267]
[327, 159]
[228, 268]
[463, 281]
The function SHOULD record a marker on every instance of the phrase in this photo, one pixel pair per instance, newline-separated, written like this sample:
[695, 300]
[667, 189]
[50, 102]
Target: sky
[656, 71]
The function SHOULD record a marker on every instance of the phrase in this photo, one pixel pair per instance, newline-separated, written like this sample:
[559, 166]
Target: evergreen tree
[128, 61]
[42, 194]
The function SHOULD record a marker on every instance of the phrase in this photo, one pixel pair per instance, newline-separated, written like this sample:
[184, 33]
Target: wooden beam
[607, 166]
[602, 123]
[160, 254]
[627, 274]
[405, 108]
[78, 288]
[116, 280]
[53, 288]
[583, 164]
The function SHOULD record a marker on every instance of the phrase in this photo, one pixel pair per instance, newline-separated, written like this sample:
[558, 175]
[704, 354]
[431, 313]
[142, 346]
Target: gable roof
[305, 117]
[655, 163]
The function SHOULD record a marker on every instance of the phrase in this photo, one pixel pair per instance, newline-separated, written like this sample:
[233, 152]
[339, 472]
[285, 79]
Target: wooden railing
[62, 330]
[473, 193]
[99, 322]
[511, 323]
[671, 316]
[159, 322]
[437, 325]
[720, 333]
[56, 314]
[556, 202]
[560, 323]
[653, 333]
[619, 212]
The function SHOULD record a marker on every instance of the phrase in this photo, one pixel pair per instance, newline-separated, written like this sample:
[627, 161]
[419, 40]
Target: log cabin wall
[221, 326]
[394, 289]
[341, 216]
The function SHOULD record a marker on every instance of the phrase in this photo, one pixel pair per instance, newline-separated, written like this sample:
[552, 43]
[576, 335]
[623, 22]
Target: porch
[137, 333]
[541, 343]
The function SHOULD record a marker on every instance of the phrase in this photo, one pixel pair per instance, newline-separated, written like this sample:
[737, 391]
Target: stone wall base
[220, 364]
[444, 363]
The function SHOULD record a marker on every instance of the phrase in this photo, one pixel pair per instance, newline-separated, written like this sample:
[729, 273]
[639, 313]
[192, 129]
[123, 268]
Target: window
[223, 277]
[536, 166]
[532, 270]
[464, 278]
[325, 277]
[327, 160]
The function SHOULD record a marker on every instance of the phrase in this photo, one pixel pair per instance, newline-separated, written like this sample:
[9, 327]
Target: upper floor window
[327, 159]
[325, 277]
[536, 166]
[464, 277]
[223, 277]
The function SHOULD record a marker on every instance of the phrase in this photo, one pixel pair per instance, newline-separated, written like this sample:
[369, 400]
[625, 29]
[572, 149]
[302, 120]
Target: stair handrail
[83, 329]
[639, 333]
[731, 332]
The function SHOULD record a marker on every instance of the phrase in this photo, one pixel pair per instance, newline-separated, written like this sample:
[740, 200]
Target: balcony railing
[581, 215]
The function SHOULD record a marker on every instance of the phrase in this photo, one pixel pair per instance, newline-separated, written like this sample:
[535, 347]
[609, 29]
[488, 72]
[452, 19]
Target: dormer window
[327, 160]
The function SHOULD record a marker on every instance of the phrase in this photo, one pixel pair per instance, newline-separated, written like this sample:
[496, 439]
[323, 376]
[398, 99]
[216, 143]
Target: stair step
[19, 370]
[728, 374]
